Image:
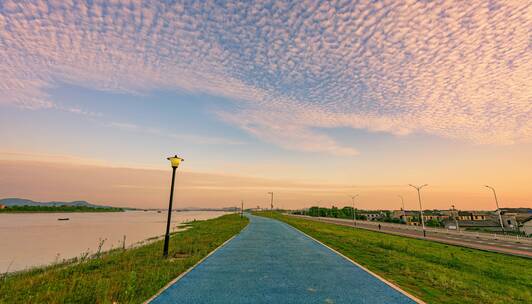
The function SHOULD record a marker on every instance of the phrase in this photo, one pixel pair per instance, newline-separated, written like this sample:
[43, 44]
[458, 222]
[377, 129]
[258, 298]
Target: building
[475, 215]
[526, 227]
[513, 218]
[517, 210]
[413, 216]
[3, 206]
[373, 216]
[471, 220]
[407, 216]
[434, 215]
[397, 214]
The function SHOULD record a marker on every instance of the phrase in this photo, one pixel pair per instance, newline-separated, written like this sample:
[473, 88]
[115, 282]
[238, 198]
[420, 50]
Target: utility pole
[242, 209]
[354, 212]
[497, 203]
[418, 188]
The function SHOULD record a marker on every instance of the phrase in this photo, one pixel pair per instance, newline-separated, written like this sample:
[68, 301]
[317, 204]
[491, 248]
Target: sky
[313, 100]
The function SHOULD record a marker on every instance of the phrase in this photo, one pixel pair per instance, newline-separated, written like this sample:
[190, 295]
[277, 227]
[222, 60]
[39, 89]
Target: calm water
[39, 238]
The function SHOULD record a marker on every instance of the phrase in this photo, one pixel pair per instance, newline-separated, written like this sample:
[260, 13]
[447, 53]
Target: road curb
[179, 277]
[392, 285]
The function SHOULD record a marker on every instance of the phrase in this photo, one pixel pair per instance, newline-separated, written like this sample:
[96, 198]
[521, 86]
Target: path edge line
[392, 285]
[179, 277]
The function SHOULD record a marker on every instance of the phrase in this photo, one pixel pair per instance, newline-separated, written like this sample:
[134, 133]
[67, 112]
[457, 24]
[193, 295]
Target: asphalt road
[271, 262]
[513, 247]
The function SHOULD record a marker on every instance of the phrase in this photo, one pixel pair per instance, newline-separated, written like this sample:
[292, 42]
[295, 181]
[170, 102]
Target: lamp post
[403, 207]
[455, 218]
[418, 188]
[174, 161]
[354, 212]
[271, 203]
[497, 203]
[271, 200]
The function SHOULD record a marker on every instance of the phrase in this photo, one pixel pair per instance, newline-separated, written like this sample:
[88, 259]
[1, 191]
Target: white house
[526, 227]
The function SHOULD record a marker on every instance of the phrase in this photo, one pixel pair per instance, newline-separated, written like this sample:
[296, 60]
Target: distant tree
[434, 223]
[334, 212]
[390, 220]
[313, 211]
[61, 208]
[347, 212]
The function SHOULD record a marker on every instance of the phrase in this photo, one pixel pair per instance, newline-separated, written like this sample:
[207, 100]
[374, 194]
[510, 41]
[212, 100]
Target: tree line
[62, 208]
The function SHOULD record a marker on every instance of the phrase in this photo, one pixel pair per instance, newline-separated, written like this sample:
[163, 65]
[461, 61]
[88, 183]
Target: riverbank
[24, 234]
[434, 272]
[57, 209]
[122, 276]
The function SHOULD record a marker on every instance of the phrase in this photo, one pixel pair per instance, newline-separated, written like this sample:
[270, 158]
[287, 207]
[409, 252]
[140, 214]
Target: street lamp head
[175, 161]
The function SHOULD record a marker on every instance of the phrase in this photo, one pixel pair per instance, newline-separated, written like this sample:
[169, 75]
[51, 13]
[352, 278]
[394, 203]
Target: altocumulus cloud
[459, 70]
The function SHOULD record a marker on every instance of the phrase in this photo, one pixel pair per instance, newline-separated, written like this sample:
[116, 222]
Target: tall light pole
[271, 203]
[403, 207]
[456, 218]
[418, 188]
[354, 212]
[242, 209]
[497, 203]
[174, 161]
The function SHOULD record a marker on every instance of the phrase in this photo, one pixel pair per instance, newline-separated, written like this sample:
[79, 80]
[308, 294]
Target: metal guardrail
[478, 235]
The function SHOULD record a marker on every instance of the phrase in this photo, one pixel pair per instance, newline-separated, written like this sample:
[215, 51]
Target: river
[35, 239]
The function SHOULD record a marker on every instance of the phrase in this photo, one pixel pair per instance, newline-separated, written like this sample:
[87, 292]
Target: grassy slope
[130, 276]
[434, 272]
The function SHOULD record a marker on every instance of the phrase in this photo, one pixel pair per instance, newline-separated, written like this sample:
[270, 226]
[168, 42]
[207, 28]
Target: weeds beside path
[121, 276]
[434, 272]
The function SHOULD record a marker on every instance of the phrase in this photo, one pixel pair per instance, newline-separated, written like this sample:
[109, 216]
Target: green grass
[121, 276]
[38, 209]
[433, 272]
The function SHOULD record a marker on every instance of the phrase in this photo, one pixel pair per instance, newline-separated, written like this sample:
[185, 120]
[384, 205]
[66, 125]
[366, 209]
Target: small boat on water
[63, 219]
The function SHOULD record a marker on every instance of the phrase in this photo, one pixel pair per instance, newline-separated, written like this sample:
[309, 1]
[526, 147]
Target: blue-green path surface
[271, 262]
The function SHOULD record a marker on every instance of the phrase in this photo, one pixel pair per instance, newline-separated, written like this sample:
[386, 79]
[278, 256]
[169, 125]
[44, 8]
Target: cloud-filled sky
[285, 90]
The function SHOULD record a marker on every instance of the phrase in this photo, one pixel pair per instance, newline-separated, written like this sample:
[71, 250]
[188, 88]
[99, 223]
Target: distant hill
[27, 202]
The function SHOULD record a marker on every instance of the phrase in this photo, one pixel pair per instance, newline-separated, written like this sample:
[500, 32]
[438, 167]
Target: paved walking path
[271, 262]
